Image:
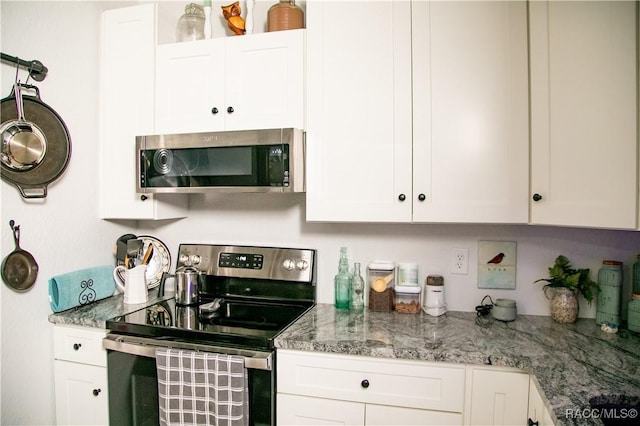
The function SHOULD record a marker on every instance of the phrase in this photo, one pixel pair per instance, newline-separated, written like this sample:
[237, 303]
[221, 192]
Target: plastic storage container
[381, 279]
[407, 299]
[407, 274]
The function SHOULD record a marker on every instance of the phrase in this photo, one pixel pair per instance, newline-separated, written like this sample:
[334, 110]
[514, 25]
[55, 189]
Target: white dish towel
[201, 388]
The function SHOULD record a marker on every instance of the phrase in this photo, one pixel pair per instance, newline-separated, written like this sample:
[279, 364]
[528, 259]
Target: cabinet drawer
[79, 344]
[403, 383]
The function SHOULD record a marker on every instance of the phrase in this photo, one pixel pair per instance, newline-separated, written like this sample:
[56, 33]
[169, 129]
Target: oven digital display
[240, 260]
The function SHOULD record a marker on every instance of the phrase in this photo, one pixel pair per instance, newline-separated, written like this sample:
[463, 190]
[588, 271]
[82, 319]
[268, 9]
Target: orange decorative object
[235, 22]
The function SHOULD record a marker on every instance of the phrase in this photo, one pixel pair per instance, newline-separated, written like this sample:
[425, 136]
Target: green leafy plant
[563, 275]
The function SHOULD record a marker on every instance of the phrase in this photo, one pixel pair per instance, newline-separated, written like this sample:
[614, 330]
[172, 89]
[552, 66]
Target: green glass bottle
[343, 282]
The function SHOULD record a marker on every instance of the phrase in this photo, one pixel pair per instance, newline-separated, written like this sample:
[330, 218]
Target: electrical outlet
[460, 261]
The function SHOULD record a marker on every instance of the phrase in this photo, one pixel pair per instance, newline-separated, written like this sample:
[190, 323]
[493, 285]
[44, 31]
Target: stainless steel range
[247, 296]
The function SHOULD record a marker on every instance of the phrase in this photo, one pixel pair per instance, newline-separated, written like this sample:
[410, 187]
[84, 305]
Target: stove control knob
[289, 264]
[302, 265]
[184, 259]
[195, 259]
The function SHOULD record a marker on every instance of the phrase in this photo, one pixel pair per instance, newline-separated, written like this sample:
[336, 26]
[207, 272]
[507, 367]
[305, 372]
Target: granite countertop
[97, 313]
[571, 363]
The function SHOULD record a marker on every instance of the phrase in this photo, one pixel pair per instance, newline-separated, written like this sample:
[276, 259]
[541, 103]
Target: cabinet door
[496, 397]
[359, 111]
[583, 113]
[537, 411]
[265, 81]
[127, 110]
[470, 112]
[81, 394]
[298, 410]
[190, 87]
[382, 415]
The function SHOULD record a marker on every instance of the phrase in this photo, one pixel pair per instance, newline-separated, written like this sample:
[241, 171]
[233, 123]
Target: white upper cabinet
[126, 111]
[419, 114]
[359, 111]
[470, 112]
[232, 83]
[584, 113]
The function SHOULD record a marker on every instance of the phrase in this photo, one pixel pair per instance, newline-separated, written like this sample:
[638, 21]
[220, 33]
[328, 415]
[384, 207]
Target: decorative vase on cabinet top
[191, 25]
[285, 15]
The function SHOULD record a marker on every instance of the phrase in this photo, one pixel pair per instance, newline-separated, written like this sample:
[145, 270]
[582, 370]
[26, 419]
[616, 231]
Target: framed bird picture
[497, 264]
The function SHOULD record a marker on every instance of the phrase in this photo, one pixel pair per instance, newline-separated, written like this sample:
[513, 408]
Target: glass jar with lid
[633, 320]
[381, 280]
[610, 292]
[190, 26]
[407, 299]
[636, 276]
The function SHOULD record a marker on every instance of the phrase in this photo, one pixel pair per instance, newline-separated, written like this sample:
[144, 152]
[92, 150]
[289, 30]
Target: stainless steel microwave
[270, 160]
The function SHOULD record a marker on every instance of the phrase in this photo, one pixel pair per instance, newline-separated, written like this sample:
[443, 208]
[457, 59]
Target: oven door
[133, 379]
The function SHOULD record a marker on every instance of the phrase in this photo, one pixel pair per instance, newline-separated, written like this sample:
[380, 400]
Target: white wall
[268, 219]
[64, 234]
[62, 231]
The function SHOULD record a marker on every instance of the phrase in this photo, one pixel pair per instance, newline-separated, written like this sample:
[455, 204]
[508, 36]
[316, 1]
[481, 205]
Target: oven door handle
[254, 360]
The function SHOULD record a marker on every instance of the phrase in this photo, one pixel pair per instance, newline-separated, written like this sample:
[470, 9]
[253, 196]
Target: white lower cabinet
[320, 388]
[538, 414]
[80, 366]
[332, 389]
[496, 397]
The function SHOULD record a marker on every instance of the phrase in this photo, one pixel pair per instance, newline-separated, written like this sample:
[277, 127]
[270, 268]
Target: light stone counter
[97, 313]
[571, 363]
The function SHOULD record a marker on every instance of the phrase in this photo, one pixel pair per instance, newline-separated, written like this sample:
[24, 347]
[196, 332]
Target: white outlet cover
[460, 261]
[497, 264]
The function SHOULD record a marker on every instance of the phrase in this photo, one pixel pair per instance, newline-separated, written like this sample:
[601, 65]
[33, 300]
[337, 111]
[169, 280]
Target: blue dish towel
[81, 287]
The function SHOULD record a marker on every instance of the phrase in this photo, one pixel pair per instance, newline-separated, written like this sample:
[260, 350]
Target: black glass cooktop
[233, 322]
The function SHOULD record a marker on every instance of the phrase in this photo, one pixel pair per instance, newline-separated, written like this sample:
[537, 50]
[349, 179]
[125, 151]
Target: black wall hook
[37, 70]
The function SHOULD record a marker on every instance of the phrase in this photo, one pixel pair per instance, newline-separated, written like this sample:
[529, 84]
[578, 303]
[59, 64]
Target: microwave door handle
[253, 360]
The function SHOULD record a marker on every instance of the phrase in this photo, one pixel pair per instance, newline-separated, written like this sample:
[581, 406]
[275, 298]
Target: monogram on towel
[201, 388]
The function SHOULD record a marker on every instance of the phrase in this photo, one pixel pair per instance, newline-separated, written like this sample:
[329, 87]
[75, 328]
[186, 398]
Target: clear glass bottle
[191, 25]
[343, 282]
[357, 290]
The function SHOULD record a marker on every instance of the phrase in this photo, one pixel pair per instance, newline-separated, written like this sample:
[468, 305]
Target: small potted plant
[563, 287]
